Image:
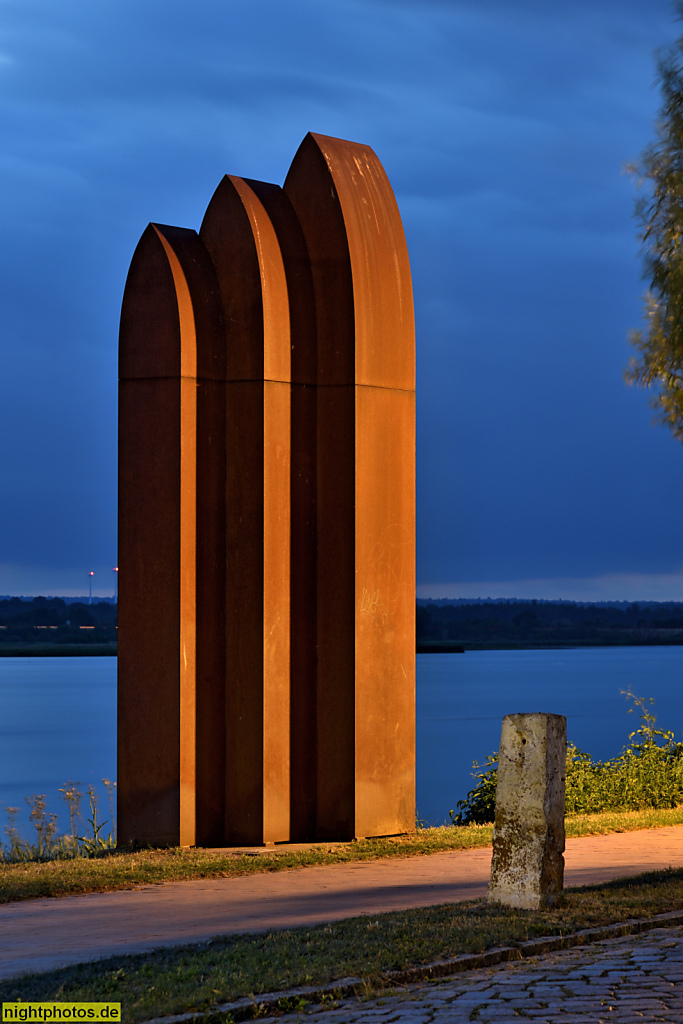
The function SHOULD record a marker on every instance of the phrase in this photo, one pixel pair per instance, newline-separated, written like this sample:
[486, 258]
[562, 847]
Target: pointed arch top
[359, 259]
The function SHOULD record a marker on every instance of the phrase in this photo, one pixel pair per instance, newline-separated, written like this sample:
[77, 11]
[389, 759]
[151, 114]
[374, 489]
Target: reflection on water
[58, 715]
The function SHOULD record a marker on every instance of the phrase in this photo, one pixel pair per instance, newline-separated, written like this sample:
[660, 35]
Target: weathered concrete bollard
[528, 837]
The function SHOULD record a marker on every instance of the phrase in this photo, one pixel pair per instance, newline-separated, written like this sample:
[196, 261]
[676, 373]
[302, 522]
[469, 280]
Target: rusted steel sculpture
[266, 515]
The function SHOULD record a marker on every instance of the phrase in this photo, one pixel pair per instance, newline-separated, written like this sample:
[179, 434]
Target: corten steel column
[266, 665]
[365, 489]
[303, 657]
[266, 336]
[171, 545]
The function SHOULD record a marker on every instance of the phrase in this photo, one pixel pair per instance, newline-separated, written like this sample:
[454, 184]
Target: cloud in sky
[503, 126]
[610, 587]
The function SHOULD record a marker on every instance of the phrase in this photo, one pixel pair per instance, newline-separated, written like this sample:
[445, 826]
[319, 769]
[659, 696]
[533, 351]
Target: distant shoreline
[57, 650]
[422, 647]
[54, 627]
[425, 648]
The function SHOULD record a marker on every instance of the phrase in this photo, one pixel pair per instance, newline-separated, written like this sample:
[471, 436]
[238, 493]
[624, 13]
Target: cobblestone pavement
[635, 978]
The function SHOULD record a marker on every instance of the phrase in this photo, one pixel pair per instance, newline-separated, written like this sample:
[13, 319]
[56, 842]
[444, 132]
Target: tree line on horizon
[474, 624]
[47, 620]
[508, 624]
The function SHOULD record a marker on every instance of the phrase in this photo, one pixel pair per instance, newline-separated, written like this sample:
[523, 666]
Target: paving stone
[499, 1016]
[565, 1018]
[462, 1013]
[632, 1001]
[610, 983]
[584, 1004]
[469, 1001]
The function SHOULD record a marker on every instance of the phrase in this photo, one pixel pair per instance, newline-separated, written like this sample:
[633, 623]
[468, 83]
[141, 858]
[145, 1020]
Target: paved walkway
[618, 981]
[37, 935]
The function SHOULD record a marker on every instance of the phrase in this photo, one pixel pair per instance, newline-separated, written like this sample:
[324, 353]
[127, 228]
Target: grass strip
[199, 977]
[577, 825]
[123, 870]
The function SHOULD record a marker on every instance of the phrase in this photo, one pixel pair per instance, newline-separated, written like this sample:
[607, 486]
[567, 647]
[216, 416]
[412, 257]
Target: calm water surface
[58, 715]
[57, 723]
[462, 698]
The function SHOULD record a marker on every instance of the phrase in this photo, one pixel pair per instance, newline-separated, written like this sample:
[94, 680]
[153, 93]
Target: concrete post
[528, 837]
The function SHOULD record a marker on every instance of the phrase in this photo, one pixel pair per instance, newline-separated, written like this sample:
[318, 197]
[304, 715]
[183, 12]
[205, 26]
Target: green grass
[123, 870]
[201, 976]
[621, 821]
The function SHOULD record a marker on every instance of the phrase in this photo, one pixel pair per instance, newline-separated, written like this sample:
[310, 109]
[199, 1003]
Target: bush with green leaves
[647, 773]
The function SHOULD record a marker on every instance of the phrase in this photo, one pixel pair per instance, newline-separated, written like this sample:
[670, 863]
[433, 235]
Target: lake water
[462, 698]
[58, 715]
[57, 723]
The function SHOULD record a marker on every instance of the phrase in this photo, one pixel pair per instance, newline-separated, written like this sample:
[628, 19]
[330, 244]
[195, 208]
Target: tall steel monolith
[266, 633]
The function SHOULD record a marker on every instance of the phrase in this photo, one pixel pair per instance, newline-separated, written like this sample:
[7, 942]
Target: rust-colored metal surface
[266, 658]
[170, 540]
[302, 681]
[243, 245]
[366, 488]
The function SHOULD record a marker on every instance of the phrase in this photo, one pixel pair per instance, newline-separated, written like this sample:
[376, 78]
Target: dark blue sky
[503, 126]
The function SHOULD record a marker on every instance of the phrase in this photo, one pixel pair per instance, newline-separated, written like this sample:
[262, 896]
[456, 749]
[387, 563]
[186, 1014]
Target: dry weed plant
[82, 840]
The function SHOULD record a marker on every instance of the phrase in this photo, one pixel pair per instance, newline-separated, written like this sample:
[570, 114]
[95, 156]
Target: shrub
[648, 773]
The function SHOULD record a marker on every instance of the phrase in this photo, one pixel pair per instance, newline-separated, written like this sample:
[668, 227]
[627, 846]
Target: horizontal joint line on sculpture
[358, 384]
[269, 380]
[216, 380]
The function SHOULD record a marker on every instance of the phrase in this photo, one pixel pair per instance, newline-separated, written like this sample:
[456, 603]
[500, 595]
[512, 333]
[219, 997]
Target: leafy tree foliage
[659, 363]
[546, 623]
